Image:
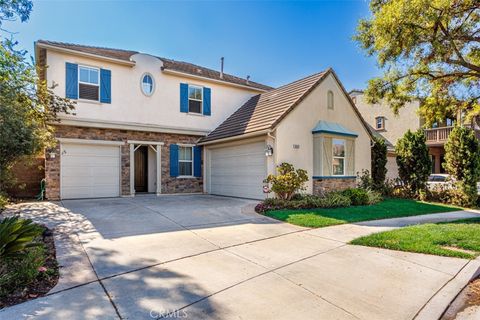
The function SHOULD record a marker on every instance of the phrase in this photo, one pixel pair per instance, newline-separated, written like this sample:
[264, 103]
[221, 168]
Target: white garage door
[238, 171]
[89, 171]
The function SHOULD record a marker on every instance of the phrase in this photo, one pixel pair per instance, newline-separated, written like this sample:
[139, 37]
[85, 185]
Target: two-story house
[391, 127]
[145, 124]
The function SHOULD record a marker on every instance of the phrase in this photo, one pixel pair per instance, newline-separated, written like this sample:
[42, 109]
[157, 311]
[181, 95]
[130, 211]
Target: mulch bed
[44, 283]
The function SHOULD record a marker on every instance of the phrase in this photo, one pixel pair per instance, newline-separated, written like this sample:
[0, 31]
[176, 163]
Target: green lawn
[430, 239]
[389, 208]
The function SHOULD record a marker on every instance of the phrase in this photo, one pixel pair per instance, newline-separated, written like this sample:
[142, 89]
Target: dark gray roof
[265, 110]
[168, 64]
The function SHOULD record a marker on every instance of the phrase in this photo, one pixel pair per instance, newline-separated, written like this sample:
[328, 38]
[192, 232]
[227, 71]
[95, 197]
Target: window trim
[153, 84]
[191, 161]
[200, 100]
[88, 83]
[330, 94]
[344, 141]
[382, 118]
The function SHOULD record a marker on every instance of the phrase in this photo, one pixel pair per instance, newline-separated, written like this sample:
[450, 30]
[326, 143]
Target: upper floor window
[338, 146]
[148, 85]
[380, 123]
[195, 99]
[88, 83]
[185, 161]
[330, 102]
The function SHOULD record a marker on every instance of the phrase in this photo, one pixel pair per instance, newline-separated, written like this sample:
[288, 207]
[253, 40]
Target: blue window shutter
[197, 161]
[207, 104]
[71, 81]
[105, 86]
[183, 97]
[173, 160]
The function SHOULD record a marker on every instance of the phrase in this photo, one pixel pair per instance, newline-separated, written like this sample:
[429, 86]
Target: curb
[439, 303]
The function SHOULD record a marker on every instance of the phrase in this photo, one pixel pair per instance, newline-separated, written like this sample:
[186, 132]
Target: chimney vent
[222, 59]
[248, 79]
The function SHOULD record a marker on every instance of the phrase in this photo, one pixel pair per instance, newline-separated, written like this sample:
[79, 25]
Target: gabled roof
[265, 110]
[168, 64]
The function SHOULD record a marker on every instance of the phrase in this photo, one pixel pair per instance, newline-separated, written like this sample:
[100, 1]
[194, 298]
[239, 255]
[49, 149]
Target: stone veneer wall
[169, 184]
[334, 184]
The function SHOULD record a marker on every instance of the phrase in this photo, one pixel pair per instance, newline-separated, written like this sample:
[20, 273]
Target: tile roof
[196, 70]
[265, 110]
[168, 64]
[378, 135]
[99, 51]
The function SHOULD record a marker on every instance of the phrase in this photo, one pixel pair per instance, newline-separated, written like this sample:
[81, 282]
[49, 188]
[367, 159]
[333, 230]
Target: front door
[141, 169]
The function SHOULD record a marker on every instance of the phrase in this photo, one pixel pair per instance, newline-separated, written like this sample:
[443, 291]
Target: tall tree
[413, 160]
[428, 50]
[379, 163]
[462, 161]
[27, 105]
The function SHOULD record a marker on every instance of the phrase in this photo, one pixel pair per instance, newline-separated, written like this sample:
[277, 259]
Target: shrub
[336, 200]
[462, 161]
[16, 272]
[17, 235]
[413, 160]
[288, 181]
[364, 179]
[358, 197]
[330, 200]
[379, 162]
[374, 197]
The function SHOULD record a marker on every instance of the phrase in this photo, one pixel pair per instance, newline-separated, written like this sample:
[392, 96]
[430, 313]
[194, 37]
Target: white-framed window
[195, 99]
[338, 148]
[380, 123]
[88, 83]
[185, 161]
[330, 100]
[147, 84]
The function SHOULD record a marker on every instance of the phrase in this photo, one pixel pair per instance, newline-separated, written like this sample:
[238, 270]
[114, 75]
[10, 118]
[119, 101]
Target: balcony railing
[438, 135]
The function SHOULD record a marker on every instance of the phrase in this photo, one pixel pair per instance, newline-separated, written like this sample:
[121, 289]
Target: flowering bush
[288, 181]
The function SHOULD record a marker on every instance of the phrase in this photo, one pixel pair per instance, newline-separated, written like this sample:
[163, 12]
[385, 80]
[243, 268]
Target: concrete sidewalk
[145, 258]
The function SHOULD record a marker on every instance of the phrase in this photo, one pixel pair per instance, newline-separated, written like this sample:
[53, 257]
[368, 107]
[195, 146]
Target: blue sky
[273, 42]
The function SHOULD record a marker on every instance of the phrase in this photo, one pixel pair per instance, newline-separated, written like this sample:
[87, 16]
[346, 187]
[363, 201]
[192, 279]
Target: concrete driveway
[207, 257]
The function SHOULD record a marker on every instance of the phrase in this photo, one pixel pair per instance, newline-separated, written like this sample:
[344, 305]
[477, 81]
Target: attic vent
[199, 70]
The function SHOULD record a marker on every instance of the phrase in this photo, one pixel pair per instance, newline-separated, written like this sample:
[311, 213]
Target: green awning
[333, 128]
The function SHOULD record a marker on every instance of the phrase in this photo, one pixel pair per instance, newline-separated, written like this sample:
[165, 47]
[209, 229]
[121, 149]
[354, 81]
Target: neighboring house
[391, 127]
[148, 124]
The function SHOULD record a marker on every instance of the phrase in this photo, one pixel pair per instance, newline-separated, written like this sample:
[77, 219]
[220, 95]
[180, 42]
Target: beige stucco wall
[296, 128]
[395, 125]
[130, 105]
[392, 168]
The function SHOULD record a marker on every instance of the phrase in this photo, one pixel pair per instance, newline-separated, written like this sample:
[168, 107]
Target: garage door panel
[76, 171]
[88, 161]
[90, 171]
[238, 170]
[86, 192]
[90, 150]
[72, 181]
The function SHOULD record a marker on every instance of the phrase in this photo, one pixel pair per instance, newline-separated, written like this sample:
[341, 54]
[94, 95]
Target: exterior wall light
[269, 151]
